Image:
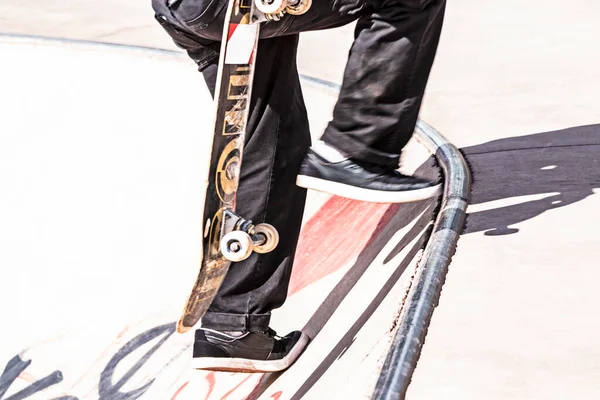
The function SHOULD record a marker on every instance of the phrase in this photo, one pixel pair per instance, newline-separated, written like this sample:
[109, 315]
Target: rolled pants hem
[236, 322]
[358, 151]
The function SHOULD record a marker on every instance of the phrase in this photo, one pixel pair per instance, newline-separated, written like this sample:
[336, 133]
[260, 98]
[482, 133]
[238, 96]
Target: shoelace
[278, 346]
[274, 334]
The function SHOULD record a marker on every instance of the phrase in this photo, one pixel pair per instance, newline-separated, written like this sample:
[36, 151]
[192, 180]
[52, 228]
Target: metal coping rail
[425, 291]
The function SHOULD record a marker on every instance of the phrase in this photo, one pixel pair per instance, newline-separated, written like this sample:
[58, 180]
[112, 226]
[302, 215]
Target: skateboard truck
[274, 10]
[240, 237]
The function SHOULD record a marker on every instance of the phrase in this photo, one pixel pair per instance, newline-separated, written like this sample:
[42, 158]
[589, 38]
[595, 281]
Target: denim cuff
[236, 322]
[358, 151]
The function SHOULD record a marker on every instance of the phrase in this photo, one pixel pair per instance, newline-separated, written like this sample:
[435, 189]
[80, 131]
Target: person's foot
[329, 171]
[246, 352]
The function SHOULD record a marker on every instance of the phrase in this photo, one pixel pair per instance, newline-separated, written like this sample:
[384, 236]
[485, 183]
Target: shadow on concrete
[395, 218]
[526, 175]
[555, 169]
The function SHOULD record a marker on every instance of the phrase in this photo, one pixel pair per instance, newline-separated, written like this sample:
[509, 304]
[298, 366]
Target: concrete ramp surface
[102, 153]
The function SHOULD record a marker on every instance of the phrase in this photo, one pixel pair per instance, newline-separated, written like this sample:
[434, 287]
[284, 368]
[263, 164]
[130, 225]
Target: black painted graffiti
[107, 390]
[14, 368]
[110, 391]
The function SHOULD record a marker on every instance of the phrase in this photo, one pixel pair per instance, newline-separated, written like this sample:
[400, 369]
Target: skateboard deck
[232, 102]
[228, 237]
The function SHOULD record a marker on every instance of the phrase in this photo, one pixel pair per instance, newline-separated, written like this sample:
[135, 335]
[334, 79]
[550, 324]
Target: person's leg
[377, 109]
[385, 78]
[277, 139]
[386, 73]
[235, 333]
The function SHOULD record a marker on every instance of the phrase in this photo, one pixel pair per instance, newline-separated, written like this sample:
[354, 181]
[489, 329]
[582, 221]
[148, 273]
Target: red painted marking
[179, 390]
[336, 234]
[123, 332]
[229, 393]
[27, 377]
[210, 378]
[277, 395]
[232, 28]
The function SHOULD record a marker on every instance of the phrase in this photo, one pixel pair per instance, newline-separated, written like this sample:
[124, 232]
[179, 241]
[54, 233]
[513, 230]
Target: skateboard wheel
[275, 17]
[299, 8]
[272, 236]
[271, 6]
[236, 246]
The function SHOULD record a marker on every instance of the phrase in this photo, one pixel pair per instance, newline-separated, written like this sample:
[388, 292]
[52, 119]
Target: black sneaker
[362, 182]
[248, 352]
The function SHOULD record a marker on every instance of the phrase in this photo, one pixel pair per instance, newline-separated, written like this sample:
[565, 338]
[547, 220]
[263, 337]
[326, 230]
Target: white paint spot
[556, 202]
[507, 202]
[207, 227]
[548, 167]
[241, 44]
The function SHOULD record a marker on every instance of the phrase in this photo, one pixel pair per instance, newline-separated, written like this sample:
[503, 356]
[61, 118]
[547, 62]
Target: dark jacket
[185, 21]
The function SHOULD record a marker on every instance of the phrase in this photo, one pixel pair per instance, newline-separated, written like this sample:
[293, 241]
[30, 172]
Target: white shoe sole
[247, 365]
[370, 195]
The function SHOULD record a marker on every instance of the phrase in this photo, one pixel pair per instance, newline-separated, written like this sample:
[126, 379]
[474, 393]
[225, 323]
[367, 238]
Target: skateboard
[228, 237]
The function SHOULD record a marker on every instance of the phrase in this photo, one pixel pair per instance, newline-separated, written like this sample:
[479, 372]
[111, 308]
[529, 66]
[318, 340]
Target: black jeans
[375, 115]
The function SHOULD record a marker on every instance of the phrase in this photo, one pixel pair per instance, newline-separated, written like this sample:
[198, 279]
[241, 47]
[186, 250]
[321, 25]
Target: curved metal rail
[431, 273]
[426, 288]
